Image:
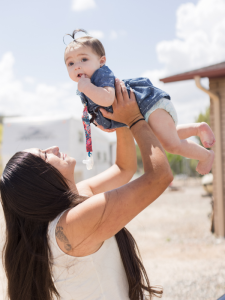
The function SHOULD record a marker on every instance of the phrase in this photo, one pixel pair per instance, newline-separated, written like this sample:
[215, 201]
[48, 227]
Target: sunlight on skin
[63, 163]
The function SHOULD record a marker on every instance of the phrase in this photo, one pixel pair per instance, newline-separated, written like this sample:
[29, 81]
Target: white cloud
[98, 34]
[29, 79]
[79, 5]
[6, 72]
[43, 99]
[115, 34]
[200, 31]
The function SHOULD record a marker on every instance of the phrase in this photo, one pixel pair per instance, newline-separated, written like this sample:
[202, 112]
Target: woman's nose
[54, 150]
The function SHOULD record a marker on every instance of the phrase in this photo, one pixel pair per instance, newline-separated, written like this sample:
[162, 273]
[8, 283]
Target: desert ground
[178, 250]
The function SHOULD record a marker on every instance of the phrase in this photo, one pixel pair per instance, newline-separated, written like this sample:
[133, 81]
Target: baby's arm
[103, 96]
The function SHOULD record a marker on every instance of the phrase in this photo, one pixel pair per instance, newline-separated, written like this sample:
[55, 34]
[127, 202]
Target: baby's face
[82, 61]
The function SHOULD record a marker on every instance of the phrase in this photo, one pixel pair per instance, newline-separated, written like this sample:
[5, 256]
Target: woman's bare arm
[103, 215]
[119, 173]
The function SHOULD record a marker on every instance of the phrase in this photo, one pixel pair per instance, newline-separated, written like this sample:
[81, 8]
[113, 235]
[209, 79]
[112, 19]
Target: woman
[68, 240]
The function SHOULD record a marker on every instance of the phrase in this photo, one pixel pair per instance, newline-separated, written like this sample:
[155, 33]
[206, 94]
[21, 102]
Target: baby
[85, 61]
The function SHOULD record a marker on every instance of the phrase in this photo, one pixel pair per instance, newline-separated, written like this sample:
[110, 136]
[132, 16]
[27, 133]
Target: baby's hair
[87, 41]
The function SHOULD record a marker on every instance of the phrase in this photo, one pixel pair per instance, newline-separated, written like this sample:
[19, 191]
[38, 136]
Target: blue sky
[141, 38]
[34, 30]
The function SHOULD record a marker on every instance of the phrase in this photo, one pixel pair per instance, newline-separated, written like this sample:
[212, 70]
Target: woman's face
[63, 163]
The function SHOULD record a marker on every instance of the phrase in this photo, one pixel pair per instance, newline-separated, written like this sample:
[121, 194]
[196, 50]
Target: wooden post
[219, 207]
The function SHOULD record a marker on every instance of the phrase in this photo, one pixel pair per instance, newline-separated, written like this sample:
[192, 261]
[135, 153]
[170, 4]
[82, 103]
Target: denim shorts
[165, 104]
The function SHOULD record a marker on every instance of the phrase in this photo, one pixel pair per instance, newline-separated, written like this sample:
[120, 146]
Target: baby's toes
[208, 144]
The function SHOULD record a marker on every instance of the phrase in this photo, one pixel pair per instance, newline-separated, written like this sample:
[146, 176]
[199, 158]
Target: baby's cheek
[73, 77]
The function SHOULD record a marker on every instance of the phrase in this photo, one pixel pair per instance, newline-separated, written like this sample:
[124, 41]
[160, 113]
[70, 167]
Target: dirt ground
[178, 250]
[177, 247]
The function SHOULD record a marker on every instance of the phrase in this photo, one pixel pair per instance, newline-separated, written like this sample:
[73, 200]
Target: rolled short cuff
[165, 104]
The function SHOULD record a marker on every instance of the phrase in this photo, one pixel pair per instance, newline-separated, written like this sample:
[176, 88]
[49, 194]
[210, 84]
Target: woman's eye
[45, 156]
[84, 59]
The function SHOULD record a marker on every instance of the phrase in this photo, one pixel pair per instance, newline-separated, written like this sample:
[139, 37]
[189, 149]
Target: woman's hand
[103, 129]
[125, 109]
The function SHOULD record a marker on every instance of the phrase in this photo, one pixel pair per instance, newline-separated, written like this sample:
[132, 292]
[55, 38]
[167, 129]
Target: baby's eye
[84, 59]
[70, 64]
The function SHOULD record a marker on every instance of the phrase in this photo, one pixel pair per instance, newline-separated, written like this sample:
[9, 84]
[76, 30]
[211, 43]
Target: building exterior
[216, 92]
[66, 132]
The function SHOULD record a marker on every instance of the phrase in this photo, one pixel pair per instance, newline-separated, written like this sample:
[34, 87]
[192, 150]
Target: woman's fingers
[119, 96]
[103, 129]
[107, 114]
[110, 130]
[125, 109]
[132, 95]
[124, 91]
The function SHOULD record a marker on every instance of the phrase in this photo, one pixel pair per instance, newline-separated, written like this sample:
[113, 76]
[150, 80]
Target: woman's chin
[74, 160]
[71, 159]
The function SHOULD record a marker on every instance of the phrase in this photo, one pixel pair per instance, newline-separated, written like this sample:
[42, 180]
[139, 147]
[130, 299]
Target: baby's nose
[77, 67]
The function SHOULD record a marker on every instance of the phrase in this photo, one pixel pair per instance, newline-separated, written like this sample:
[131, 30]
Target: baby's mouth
[80, 74]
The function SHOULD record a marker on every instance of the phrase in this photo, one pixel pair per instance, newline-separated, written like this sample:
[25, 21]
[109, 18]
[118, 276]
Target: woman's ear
[102, 61]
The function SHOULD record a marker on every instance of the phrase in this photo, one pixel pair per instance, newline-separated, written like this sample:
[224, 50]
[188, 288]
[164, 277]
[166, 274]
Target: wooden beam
[220, 208]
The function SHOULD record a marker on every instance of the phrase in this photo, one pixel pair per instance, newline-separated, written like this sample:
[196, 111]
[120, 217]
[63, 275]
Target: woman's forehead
[35, 151]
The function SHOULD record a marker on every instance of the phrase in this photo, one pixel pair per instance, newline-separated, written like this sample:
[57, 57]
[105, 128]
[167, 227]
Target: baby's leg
[202, 130]
[164, 128]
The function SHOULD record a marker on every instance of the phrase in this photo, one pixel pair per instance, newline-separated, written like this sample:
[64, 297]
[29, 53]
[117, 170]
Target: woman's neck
[73, 187]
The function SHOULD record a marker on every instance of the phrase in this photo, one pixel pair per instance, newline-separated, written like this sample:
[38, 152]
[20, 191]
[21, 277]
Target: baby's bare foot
[206, 135]
[204, 166]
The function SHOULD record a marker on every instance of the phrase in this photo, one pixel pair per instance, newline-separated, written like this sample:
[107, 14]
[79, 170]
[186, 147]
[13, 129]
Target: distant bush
[1, 130]
[182, 165]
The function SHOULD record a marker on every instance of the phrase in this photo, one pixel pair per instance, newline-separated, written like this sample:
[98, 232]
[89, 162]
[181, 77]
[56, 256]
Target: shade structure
[216, 92]
[213, 71]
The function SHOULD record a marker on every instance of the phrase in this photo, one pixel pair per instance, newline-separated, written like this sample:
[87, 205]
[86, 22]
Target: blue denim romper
[146, 95]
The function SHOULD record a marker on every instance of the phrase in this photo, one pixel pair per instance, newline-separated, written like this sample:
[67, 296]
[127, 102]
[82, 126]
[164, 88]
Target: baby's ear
[102, 61]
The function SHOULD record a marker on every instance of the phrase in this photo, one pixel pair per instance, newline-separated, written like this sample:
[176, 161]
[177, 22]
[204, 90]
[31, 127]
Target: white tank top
[99, 276]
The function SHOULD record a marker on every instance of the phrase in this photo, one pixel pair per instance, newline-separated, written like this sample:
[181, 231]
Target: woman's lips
[63, 155]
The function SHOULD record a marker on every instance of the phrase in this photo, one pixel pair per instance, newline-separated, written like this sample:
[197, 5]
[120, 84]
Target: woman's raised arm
[103, 215]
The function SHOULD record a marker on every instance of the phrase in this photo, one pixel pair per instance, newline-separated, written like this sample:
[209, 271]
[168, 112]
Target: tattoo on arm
[61, 236]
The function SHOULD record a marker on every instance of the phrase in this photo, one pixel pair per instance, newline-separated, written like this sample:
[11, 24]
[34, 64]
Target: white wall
[67, 133]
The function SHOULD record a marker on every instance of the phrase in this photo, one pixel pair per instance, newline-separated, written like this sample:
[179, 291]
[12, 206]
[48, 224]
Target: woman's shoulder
[52, 225]
[66, 233]
[60, 244]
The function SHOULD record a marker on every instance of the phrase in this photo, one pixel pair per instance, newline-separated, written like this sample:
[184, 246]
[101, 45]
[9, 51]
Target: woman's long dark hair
[33, 193]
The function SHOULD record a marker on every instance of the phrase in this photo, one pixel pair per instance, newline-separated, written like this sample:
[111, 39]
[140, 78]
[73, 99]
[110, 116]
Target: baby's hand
[83, 83]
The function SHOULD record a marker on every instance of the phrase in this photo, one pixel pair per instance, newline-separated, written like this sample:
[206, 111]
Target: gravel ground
[177, 248]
